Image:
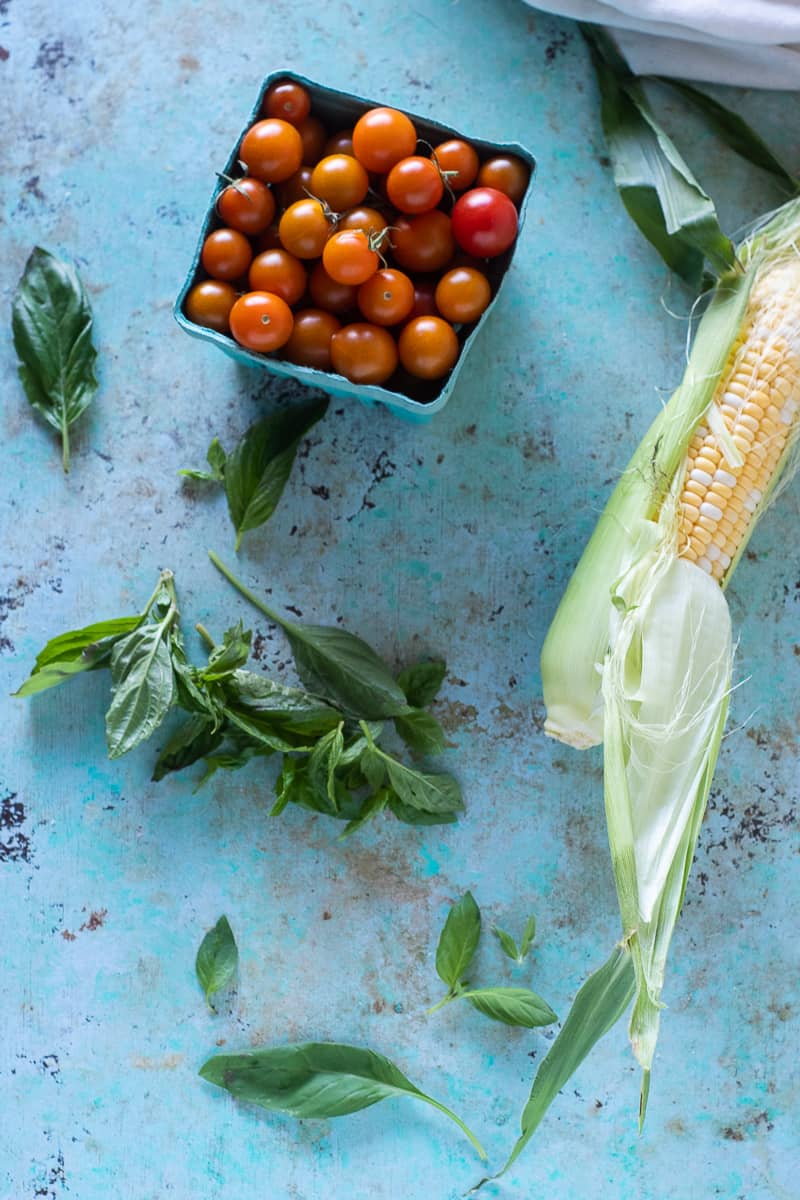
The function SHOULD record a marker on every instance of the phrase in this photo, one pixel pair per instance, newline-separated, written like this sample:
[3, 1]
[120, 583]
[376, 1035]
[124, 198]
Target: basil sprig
[52, 327]
[329, 733]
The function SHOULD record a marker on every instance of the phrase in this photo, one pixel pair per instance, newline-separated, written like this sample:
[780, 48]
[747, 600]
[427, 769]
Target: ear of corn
[639, 655]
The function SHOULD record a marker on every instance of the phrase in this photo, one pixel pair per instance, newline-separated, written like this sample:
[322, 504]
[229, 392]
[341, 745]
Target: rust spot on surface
[188, 62]
[96, 920]
[4, 54]
[67, 935]
[326, 916]
[453, 714]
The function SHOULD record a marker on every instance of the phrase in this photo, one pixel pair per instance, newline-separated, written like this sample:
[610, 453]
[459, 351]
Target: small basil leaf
[420, 731]
[414, 816]
[458, 940]
[509, 946]
[193, 740]
[143, 687]
[343, 668]
[257, 470]
[217, 958]
[316, 1080]
[323, 761]
[230, 656]
[421, 683]
[373, 767]
[79, 650]
[528, 934]
[430, 793]
[216, 460]
[512, 1006]
[293, 709]
[266, 729]
[373, 806]
[52, 327]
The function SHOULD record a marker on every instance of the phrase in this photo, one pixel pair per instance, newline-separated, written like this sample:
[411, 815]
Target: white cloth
[750, 43]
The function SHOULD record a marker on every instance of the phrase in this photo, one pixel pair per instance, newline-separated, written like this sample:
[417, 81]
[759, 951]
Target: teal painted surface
[457, 538]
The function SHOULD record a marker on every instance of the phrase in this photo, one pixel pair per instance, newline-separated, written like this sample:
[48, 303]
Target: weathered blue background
[457, 538]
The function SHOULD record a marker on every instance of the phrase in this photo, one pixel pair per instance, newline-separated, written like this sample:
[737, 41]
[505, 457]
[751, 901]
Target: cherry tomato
[460, 157]
[312, 134]
[226, 254]
[310, 342]
[268, 240]
[288, 100]
[348, 257]
[382, 137]
[484, 222]
[423, 243]
[340, 143]
[261, 321]
[248, 205]
[461, 295]
[295, 188]
[340, 181]
[368, 219]
[387, 298]
[364, 353]
[304, 229]
[414, 185]
[507, 174]
[424, 299]
[327, 293]
[278, 272]
[209, 304]
[428, 347]
[271, 150]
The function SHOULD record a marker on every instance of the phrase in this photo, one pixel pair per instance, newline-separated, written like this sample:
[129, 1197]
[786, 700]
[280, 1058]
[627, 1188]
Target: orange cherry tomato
[382, 137]
[423, 243]
[339, 143]
[296, 187]
[304, 229]
[339, 180]
[428, 347]
[310, 342]
[507, 174]
[279, 272]
[348, 257]
[364, 353]
[261, 321]
[312, 134]
[462, 295]
[272, 150]
[386, 298]
[248, 206]
[288, 100]
[327, 293]
[414, 185]
[209, 303]
[226, 254]
[371, 221]
[461, 158]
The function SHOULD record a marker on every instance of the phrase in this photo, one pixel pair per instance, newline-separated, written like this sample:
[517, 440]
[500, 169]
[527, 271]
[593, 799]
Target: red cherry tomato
[261, 321]
[348, 257]
[428, 347]
[312, 135]
[209, 303]
[387, 298]
[424, 299]
[268, 240]
[279, 272]
[248, 206]
[423, 243]
[288, 100]
[364, 353]
[461, 294]
[272, 150]
[484, 222]
[340, 143]
[226, 254]
[327, 293]
[339, 180]
[507, 173]
[310, 342]
[459, 157]
[382, 137]
[414, 185]
[296, 187]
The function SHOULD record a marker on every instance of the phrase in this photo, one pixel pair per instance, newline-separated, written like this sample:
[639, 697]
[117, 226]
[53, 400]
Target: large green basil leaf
[343, 668]
[458, 941]
[511, 1006]
[421, 683]
[143, 687]
[79, 650]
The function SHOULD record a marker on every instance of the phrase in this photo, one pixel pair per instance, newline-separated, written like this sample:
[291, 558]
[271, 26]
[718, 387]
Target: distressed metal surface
[455, 538]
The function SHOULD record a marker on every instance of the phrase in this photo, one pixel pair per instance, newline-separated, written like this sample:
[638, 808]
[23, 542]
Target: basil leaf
[216, 460]
[322, 763]
[373, 767]
[143, 687]
[217, 958]
[266, 730]
[257, 469]
[230, 656]
[507, 943]
[430, 793]
[528, 934]
[734, 131]
[373, 806]
[343, 668]
[656, 186]
[420, 731]
[316, 1080]
[232, 758]
[599, 1004]
[296, 711]
[52, 327]
[414, 816]
[193, 740]
[458, 941]
[76, 651]
[421, 683]
[511, 1006]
